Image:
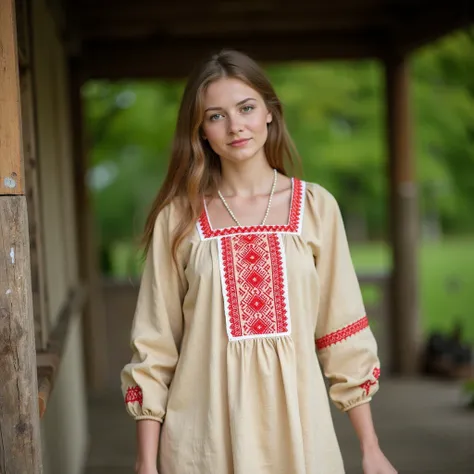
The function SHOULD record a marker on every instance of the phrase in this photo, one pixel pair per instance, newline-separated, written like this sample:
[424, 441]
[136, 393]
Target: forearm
[148, 438]
[361, 419]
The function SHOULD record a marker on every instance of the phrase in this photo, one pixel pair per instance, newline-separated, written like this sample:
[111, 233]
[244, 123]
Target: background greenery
[336, 115]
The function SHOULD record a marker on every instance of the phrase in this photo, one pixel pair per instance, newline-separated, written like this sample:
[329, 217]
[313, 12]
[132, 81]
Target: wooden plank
[37, 257]
[23, 33]
[173, 58]
[114, 8]
[230, 25]
[20, 450]
[430, 24]
[403, 212]
[11, 176]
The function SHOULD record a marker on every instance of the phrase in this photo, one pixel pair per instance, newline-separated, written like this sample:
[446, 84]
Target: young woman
[248, 279]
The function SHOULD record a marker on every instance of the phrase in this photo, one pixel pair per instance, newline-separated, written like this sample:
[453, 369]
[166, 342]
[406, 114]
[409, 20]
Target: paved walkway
[422, 426]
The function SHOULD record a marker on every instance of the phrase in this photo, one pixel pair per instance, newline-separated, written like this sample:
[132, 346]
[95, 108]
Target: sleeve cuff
[148, 417]
[354, 404]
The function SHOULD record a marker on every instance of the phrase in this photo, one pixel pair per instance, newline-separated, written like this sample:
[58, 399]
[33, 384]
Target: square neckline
[293, 225]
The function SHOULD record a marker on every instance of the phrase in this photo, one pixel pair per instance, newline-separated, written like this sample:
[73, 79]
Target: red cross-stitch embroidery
[293, 226]
[341, 334]
[254, 285]
[134, 394]
[369, 383]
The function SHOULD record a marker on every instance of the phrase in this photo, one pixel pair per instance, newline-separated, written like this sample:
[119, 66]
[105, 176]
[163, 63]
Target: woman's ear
[269, 117]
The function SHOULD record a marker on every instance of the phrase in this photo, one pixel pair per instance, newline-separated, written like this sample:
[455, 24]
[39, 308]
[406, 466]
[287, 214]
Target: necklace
[272, 192]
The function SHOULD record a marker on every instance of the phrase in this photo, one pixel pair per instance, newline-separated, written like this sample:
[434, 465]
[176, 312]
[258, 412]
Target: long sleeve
[157, 327]
[345, 343]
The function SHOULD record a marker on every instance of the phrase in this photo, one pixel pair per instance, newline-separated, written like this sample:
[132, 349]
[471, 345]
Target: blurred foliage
[336, 115]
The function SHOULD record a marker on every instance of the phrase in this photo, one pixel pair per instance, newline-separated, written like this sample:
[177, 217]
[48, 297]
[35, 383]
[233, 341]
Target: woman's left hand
[375, 462]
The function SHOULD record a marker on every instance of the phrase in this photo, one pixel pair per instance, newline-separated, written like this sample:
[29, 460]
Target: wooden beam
[114, 8]
[11, 165]
[32, 192]
[188, 24]
[175, 57]
[20, 448]
[404, 310]
[431, 24]
[66, 22]
[23, 35]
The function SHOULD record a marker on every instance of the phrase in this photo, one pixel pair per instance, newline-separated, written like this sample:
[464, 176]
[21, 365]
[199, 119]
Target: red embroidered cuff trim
[134, 394]
[342, 334]
[370, 383]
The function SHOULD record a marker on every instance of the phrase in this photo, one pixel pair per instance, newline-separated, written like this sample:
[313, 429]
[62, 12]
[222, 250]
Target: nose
[235, 124]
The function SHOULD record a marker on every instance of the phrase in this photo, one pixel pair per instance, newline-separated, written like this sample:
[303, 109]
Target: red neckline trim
[293, 226]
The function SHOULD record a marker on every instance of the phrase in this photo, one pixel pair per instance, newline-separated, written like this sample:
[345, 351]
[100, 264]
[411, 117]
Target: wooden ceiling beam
[174, 58]
[229, 26]
[433, 24]
[103, 11]
[113, 7]
[132, 13]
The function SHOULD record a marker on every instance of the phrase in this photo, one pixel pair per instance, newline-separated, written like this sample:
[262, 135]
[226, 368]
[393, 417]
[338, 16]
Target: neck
[246, 179]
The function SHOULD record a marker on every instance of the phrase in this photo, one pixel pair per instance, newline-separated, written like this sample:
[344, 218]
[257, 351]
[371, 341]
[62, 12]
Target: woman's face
[235, 120]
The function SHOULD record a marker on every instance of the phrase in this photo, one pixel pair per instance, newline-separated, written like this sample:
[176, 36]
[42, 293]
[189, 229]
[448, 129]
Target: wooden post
[31, 166]
[20, 449]
[94, 320]
[404, 318]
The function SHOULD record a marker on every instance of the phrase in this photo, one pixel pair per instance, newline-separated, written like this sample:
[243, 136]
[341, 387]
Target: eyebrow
[237, 104]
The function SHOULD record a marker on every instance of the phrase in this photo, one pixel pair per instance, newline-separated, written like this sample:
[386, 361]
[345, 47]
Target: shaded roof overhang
[145, 38]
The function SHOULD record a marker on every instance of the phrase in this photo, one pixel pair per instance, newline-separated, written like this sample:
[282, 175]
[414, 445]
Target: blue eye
[215, 117]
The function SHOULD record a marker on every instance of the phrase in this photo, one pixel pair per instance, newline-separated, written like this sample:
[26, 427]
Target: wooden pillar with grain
[20, 449]
[403, 209]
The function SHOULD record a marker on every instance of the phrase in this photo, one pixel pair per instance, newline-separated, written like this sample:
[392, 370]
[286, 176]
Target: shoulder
[171, 214]
[320, 200]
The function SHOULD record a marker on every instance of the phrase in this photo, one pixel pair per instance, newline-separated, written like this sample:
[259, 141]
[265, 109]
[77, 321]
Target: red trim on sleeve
[342, 334]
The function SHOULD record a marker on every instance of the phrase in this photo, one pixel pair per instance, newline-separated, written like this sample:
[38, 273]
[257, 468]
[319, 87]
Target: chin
[242, 155]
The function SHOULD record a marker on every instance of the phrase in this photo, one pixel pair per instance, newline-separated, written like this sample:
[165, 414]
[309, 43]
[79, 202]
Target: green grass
[446, 278]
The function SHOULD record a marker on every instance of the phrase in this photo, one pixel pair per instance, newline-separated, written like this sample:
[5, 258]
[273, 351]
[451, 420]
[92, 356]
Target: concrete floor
[422, 427]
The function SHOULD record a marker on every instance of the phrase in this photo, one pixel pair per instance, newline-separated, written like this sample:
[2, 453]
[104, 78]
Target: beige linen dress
[226, 344]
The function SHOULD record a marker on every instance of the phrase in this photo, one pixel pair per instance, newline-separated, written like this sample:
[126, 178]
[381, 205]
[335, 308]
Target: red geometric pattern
[293, 226]
[134, 394]
[369, 383]
[342, 334]
[254, 285]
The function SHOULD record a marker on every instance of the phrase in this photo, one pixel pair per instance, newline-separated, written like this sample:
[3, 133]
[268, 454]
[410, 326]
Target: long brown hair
[195, 169]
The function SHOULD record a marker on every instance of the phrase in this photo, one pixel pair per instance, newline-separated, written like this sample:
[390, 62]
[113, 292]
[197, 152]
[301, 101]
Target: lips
[240, 142]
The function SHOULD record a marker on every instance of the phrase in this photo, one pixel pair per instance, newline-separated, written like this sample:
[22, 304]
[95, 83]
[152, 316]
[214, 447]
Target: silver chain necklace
[272, 192]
